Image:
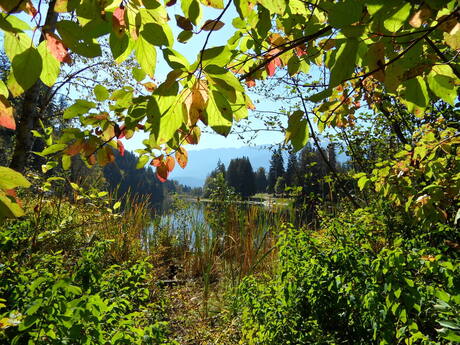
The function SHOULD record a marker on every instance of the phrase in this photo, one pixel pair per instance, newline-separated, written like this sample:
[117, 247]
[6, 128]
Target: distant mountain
[202, 162]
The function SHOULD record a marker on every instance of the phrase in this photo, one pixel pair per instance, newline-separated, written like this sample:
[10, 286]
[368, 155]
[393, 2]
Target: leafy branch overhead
[364, 48]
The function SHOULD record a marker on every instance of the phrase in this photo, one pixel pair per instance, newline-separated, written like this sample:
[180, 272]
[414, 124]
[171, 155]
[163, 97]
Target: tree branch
[442, 56]
[293, 44]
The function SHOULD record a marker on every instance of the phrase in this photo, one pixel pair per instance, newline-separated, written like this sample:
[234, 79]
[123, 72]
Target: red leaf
[92, 159]
[170, 163]
[75, 148]
[157, 161]
[250, 82]
[162, 173]
[122, 133]
[182, 157]
[300, 51]
[12, 194]
[57, 48]
[184, 23]
[271, 67]
[6, 114]
[118, 21]
[121, 147]
[212, 25]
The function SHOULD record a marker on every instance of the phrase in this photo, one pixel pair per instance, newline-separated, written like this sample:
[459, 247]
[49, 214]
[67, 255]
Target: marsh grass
[216, 246]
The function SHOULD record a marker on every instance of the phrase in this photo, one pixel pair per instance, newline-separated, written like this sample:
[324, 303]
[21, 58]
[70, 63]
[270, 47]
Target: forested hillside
[365, 252]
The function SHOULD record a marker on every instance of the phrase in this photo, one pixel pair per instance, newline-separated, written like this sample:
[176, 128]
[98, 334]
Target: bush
[352, 286]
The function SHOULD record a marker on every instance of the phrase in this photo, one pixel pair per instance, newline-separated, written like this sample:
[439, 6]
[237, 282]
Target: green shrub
[57, 298]
[352, 287]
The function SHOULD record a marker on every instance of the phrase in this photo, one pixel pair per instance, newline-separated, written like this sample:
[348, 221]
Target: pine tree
[291, 170]
[276, 169]
[261, 180]
[241, 177]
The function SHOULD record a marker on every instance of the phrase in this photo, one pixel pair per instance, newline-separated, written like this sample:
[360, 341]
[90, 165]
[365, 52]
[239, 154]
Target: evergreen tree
[209, 183]
[261, 180]
[276, 169]
[123, 177]
[241, 177]
[291, 170]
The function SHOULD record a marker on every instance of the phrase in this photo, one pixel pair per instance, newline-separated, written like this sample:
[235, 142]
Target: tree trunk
[30, 110]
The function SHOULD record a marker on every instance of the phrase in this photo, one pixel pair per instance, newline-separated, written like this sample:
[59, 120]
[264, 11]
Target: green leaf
[53, 149]
[142, 161]
[362, 182]
[66, 162]
[101, 93]
[79, 108]
[184, 36]
[453, 41]
[27, 67]
[77, 39]
[121, 47]
[15, 89]
[239, 108]
[450, 324]
[35, 306]
[170, 122]
[243, 8]
[15, 44]
[219, 113]
[297, 132]
[10, 179]
[146, 55]
[344, 62]
[415, 95]
[8, 208]
[13, 24]
[28, 322]
[219, 75]
[175, 59]
[394, 22]
[139, 74]
[158, 35]
[441, 81]
[317, 97]
[51, 67]
[219, 4]
[274, 6]
[3, 89]
[218, 56]
[192, 10]
[344, 13]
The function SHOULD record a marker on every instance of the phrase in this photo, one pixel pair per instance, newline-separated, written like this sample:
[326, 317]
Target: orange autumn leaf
[118, 21]
[6, 114]
[170, 163]
[271, 67]
[182, 157]
[75, 148]
[250, 82]
[157, 161]
[121, 148]
[162, 173]
[57, 48]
